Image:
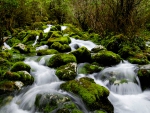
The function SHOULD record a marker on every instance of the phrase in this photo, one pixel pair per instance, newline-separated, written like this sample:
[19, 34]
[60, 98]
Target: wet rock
[46, 52]
[67, 72]
[60, 47]
[61, 59]
[82, 55]
[20, 66]
[106, 58]
[94, 95]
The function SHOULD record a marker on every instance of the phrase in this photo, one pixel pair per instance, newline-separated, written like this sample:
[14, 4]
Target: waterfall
[6, 46]
[37, 37]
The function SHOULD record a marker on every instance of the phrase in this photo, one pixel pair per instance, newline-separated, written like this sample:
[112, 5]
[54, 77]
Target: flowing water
[126, 97]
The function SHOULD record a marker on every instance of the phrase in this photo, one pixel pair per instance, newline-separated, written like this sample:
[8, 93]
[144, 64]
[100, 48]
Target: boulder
[46, 52]
[20, 66]
[144, 76]
[87, 68]
[94, 95]
[58, 103]
[61, 59]
[106, 58]
[67, 72]
[60, 47]
[82, 55]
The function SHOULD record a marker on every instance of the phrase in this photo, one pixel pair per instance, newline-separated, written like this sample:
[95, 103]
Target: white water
[88, 44]
[126, 97]
[47, 29]
[37, 37]
[7, 46]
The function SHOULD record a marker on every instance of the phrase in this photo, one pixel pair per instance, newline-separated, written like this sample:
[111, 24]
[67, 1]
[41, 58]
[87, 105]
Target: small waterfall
[76, 42]
[6, 46]
[121, 79]
[37, 37]
[47, 29]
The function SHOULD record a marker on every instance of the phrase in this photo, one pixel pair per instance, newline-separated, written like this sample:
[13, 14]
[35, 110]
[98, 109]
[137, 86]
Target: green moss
[12, 41]
[95, 96]
[46, 52]
[61, 59]
[4, 65]
[89, 69]
[20, 66]
[25, 77]
[11, 76]
[106, 58]
[62, 40]
[7, 86]
[67, 72]
[138, 59]
[82, 55]
[60, 47]
[6, 55]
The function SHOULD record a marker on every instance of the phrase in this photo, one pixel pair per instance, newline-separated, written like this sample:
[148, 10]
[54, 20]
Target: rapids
[125, 97]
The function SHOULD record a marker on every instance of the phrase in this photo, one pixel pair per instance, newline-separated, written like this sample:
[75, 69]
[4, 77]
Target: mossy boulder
[20, 66]
[106, 58]
[7, 86]
[53, 35]
[138, 58]
[5, 65]
[82, 55]
[6, 55]
[25, 77]
[94, 95]
[144, 76]
[31, 36]
[114, 43]
[17, 57]
[89, 69]
[61, 47]
[13, 76]
[61, 59]
[46, 52]
[67, 72]
[21, 48]
[12, 41]
[57, 103]
[62, 40]
[97, 49]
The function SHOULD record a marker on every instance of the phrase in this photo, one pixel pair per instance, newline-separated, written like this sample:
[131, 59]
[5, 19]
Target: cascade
[121, 80]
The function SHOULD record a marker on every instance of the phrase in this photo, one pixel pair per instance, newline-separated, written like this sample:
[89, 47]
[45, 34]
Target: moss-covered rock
[59, 103]
[106, 58]
[89, 69]
[25, 77]
[5, 65]
[61, 59]
[21, 48]
[53, 35]
[82, 55]
[67, 72]
[138, 58]
[20, 66]
[60, 47]
[144, 76]
[6, 55]
[12, 41]
[13, 76]
[97, 49]
[31, 36]
[94, 95]
[7, 86]
[46, 52]
[62, 40]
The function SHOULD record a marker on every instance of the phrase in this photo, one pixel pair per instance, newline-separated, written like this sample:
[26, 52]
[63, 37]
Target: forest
[128, 17]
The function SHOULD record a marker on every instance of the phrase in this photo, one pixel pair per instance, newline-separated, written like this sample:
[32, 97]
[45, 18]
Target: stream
[125, 97]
